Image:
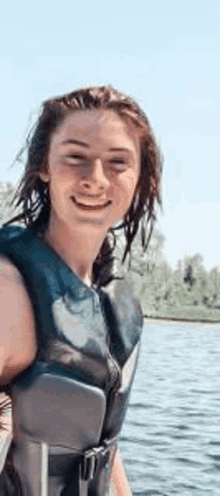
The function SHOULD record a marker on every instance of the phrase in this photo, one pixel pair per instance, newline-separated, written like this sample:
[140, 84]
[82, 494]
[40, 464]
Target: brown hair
[33, 194]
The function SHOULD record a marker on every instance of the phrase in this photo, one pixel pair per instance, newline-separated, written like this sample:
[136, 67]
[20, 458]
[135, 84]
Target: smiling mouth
[90, 207]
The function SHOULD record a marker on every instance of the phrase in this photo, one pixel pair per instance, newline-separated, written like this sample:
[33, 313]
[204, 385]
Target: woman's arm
[17, 343]
[119, 478]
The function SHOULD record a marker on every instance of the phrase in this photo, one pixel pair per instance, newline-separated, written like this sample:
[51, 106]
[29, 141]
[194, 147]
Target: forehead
[96, 125]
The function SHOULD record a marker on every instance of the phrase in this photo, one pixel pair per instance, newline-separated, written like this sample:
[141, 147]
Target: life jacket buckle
[88, 465]
[91, 458]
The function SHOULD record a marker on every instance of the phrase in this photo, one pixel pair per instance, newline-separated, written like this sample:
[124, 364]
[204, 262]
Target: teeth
[92, 205]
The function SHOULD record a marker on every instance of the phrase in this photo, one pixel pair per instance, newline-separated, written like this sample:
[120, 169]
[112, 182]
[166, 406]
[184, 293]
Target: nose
[95, 180]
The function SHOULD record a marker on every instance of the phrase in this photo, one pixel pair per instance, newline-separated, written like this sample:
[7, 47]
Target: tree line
[158, 284]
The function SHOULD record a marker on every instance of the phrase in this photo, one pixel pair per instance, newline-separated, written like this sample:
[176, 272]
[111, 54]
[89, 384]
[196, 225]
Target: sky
[163, 54]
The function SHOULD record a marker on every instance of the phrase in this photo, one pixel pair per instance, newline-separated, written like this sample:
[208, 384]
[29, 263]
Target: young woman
[70, 328]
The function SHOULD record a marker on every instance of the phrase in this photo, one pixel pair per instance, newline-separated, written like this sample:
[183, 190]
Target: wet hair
[32, 195]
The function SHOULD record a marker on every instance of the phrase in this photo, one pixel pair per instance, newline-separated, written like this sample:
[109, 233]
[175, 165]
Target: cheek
[62, 178]
[57, 189]
[58, 169]
[129, 186]
[125, 192]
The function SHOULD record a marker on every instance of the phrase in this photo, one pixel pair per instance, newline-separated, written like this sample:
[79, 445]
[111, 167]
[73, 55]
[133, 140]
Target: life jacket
[70, 403]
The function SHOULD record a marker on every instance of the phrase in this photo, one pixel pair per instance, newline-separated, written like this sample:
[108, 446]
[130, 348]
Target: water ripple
[171, 436]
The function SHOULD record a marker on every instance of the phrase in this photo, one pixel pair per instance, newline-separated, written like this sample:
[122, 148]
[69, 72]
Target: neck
[78, 249]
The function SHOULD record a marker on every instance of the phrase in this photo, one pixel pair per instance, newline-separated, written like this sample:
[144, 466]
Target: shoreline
[177, 319]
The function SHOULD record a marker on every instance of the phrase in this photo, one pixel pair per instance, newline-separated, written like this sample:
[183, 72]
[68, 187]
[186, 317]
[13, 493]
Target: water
[170, 441]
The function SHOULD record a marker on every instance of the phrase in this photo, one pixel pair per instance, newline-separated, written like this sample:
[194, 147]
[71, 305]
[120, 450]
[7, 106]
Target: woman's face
[93, 169]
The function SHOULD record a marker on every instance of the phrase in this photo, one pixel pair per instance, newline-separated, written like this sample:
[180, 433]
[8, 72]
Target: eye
[118, 164]
[76, 156]
[118, 160]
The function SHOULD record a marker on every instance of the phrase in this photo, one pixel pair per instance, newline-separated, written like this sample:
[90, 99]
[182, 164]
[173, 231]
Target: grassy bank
[197, 313]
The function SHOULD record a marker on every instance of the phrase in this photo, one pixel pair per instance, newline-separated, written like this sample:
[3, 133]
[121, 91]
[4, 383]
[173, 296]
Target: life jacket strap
[93, 457]
[90, 462]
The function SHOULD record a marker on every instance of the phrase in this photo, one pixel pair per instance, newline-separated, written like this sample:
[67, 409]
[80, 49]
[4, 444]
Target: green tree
[7, 211]
[141, 270]
[214, 286]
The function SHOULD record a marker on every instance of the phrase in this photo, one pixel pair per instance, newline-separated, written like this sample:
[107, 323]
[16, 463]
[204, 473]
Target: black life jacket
[69, 405]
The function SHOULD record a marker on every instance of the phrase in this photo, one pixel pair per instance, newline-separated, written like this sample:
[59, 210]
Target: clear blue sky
[163, 53]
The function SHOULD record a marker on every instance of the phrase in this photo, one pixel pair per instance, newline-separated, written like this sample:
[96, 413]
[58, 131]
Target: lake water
[170, 441]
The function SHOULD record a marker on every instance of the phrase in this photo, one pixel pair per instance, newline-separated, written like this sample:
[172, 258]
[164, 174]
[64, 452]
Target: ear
[44, 177]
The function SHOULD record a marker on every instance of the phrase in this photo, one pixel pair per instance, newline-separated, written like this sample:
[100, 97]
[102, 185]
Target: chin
[89, 226]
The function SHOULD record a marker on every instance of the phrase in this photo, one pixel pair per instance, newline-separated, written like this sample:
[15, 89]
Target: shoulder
[17, 332]
[10, 233]
[8, 271]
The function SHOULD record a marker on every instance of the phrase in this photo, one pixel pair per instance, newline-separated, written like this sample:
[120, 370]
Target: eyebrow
[75, 142]
[120, 150]
[81, 143]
